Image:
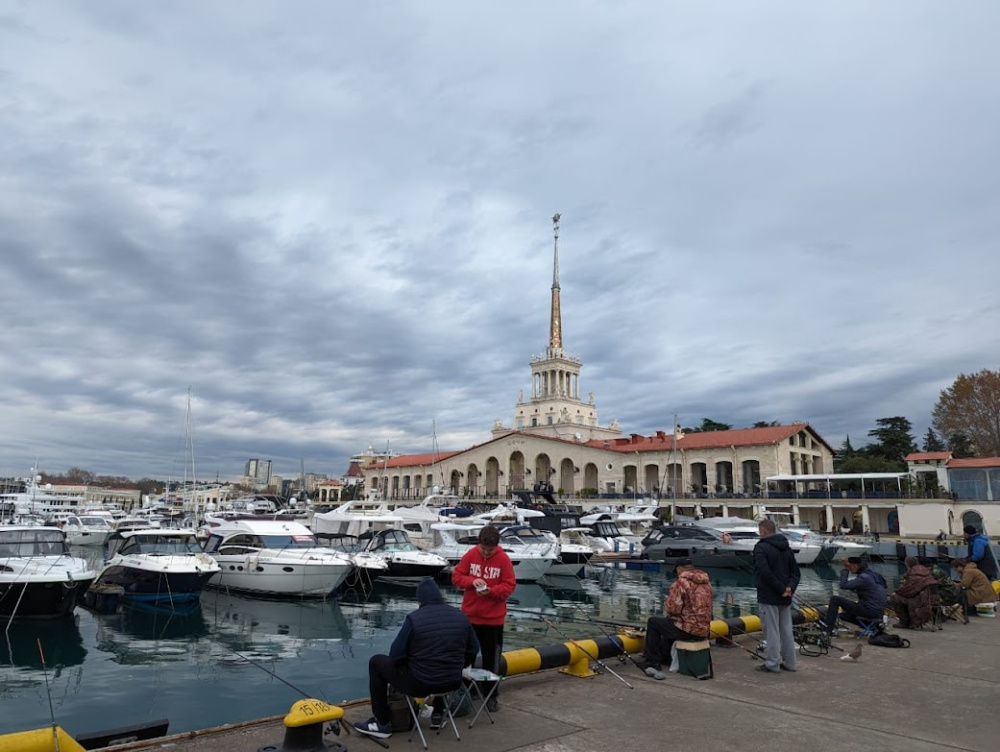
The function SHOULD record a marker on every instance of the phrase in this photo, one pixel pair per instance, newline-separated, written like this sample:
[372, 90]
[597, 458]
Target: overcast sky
[332, 221]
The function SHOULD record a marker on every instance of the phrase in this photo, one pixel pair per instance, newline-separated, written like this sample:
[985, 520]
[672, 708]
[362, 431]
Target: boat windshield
[289, 541]
[161, 544]
[39, 542]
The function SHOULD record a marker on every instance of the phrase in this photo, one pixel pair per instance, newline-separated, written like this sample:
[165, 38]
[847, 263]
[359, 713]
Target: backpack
[887, 640]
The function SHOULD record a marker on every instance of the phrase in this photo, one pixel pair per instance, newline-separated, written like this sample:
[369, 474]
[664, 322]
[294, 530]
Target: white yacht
[157, 565]
[522, 540]
[38, 499]
[453, 539]
[575, 551]
[417, 519]
[274, 558]
[403, 560]
[87, 530]
[356, 517]
[368, 567]
[38, 577]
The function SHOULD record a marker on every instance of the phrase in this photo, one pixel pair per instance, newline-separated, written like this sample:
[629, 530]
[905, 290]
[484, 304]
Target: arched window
[973, 518]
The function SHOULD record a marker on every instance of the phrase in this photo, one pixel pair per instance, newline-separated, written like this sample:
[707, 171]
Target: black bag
[887, 640]
[402, 719]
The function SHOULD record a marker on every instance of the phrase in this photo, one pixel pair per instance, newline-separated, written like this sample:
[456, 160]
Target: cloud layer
[332, 221]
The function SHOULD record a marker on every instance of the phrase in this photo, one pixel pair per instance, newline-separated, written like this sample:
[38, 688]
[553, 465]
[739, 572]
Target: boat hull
[279, 580]
[146, 586]
[41, 600]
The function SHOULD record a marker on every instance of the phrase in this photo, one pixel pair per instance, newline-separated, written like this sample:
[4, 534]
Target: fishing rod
[614, 640]
[586, 652]
[48, 693]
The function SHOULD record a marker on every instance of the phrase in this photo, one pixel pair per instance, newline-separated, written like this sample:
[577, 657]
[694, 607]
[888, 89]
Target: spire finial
[555, 321]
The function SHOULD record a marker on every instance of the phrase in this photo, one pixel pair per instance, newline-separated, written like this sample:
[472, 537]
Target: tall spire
[555, 318]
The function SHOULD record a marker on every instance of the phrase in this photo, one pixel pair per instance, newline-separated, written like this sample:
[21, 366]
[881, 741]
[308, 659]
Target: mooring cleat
[304, 727]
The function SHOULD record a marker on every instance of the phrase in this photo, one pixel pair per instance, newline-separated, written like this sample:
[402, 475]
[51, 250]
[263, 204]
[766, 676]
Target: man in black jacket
[776, 575]
[871, 589]
[427, 657]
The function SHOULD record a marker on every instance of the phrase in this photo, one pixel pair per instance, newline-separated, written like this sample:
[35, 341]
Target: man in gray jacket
[776, 575]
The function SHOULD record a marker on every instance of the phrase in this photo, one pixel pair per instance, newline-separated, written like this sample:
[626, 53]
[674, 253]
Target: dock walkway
[943, 693]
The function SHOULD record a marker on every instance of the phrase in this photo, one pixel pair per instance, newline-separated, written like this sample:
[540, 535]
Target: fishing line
[586, 652]
[269, 672]
[614, 640]
[48, 693]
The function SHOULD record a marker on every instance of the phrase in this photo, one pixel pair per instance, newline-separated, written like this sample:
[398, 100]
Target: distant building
[258, 474]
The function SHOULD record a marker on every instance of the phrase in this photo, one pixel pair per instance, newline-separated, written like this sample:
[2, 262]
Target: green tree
[863, 462]
[842, 455]
[893, 439]
[971, 407]
[765, 424]
[932, 442]
[707, 424]
[960, 446]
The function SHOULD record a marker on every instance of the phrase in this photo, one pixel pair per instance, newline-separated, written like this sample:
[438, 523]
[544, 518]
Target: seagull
[854, 655]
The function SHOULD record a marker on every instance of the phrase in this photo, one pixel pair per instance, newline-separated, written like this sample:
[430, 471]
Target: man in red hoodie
[487, 577]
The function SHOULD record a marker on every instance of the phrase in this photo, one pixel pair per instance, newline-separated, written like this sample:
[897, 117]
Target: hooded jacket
[978, 588]
[436, 641]
[489, 608]
[689, 603]
[870, 588]
[915, 598]
[774, 570]
[981, 556]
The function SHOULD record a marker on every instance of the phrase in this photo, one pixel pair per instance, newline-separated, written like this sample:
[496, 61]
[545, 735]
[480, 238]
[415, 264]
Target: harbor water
[229, 660]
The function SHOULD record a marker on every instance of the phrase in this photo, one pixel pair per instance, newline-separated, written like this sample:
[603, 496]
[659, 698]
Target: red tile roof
[354, 470]
[410, 460]
[927, 456]
[974, 462]
[663, 440]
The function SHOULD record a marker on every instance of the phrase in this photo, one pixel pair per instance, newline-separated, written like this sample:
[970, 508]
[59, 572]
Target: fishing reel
[813, 641]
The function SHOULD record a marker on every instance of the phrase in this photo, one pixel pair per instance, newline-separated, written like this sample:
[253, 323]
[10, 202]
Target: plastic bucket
[988, 610]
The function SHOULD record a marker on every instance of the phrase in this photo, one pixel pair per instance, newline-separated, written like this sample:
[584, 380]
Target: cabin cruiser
[404, 560]
[157, 565]
[356, 517]
[87, 530]
[834, 548]
[705, 547]
[453, 539]
[435, 507]
[38, 577]
[806, 550]
[521, 539]
[368, 567]
[608, 536]
[274, 558]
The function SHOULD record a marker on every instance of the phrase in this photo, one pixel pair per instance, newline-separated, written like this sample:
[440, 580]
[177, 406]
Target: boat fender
[304, 727]
[727, 538]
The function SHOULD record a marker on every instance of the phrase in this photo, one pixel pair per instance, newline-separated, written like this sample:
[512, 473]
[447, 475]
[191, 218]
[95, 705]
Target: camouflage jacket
[689, 603]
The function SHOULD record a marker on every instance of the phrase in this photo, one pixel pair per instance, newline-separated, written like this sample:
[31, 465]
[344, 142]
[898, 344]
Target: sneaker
[372, 727]
[766, 670]
[437, 719]
[655, 673]
[493, 705]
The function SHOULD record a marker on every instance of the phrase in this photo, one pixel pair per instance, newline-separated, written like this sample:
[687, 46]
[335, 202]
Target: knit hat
[428, 592]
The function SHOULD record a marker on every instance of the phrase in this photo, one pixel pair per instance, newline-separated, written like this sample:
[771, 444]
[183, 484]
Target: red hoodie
[490, 608]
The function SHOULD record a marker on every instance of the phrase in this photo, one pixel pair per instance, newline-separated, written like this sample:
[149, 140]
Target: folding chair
[411, 703]
[473, 677]
[869, 627]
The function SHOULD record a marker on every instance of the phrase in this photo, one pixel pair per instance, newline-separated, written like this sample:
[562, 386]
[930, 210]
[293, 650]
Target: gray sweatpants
[777, 622]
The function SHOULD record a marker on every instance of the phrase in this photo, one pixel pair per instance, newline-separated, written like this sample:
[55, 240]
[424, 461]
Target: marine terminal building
[556, 440]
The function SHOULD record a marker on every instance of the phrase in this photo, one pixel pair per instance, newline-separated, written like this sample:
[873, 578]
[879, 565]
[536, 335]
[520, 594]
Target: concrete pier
[942, 693]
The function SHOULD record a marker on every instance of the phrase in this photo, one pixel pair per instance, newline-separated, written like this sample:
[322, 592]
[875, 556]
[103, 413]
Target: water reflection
[141, 634]
[61, 643]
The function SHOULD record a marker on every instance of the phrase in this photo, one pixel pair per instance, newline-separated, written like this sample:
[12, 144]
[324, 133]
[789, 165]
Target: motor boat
[274, 558]
[356, 517]
[518, 540]
[575, 552]
[706, 547]
[435, 507]
[453, 539]
[38, 577]
[608, 536]
[367, 567]
[157, 565]
[837, 547]
[404, 560]
[31, 497]
[806, 550]
[87, 530]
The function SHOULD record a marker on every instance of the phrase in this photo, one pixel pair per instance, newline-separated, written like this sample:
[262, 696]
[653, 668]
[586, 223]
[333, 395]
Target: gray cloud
[332, 223]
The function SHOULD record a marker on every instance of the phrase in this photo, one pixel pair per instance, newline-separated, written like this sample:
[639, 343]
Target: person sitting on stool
[870, 587]
[434, 645]
[689, 615]
[914, 600]
[976, 587]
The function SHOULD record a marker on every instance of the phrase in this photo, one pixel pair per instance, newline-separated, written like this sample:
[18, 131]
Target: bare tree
[971, 407]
